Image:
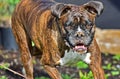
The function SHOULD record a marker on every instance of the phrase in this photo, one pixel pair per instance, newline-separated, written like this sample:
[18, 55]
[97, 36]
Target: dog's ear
[94, 7]
[60, 9]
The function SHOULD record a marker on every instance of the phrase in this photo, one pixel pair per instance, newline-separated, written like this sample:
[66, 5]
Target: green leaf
[81, 74]
[86, 75]
[107, 75]
[90, 74]
[116, 57]
[65, 76]
[108, 67]
[3, 77]
[114, 73]
[82, 65]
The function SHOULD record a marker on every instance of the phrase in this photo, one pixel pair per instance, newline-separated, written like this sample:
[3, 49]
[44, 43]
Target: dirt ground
[13, 58]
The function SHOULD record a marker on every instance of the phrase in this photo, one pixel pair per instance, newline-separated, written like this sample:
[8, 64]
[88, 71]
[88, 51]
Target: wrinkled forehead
[78, 14]
[76, 8]
[81, 12]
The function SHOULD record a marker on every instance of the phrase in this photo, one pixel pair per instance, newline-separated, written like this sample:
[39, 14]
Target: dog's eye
[88, 27]
[89, 23]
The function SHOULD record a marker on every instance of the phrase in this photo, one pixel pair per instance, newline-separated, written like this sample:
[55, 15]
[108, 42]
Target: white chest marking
[71, 57]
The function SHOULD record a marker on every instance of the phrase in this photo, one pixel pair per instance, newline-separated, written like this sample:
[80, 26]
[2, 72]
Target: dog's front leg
[53, 72]
[96, 61]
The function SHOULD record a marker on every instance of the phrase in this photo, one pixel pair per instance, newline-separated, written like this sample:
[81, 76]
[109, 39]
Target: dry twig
[1, 64]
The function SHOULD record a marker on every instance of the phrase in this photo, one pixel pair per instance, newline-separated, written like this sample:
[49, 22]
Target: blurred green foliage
[7, 7]
[42, 78]
[3, 77]
[116, 57]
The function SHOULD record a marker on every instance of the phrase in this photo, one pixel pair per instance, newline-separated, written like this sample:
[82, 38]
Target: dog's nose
[79, 34]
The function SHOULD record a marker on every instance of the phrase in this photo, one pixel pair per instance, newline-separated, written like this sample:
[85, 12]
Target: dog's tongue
[80, 47]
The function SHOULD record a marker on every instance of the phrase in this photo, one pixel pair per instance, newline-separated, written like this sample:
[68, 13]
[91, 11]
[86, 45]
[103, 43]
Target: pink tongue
[82, 47]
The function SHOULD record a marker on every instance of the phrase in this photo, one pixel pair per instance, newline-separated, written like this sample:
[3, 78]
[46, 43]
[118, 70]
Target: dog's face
[77, 23]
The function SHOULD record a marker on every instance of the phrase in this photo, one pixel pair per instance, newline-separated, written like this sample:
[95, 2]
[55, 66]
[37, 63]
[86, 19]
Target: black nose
[79, 34]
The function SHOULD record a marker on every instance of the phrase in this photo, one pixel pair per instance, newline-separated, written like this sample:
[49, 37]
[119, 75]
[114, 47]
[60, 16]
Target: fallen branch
[1, 64]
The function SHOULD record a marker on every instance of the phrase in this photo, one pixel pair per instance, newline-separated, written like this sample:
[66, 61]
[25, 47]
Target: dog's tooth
[76, 47]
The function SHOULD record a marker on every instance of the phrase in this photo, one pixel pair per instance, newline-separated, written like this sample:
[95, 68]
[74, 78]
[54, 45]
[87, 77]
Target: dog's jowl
[63, 34]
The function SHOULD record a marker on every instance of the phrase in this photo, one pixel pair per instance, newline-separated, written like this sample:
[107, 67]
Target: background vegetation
[7, 7]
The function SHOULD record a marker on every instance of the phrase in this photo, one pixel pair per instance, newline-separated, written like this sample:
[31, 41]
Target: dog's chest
[71, 57]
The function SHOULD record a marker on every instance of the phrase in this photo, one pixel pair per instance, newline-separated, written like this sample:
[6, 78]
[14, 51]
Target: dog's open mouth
[80, 48]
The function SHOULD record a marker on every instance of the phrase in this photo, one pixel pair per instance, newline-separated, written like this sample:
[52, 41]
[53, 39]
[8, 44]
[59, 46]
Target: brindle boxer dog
[62, 33]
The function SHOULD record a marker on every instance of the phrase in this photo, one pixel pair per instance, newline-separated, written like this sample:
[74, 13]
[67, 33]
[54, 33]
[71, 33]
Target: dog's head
[77, 23]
